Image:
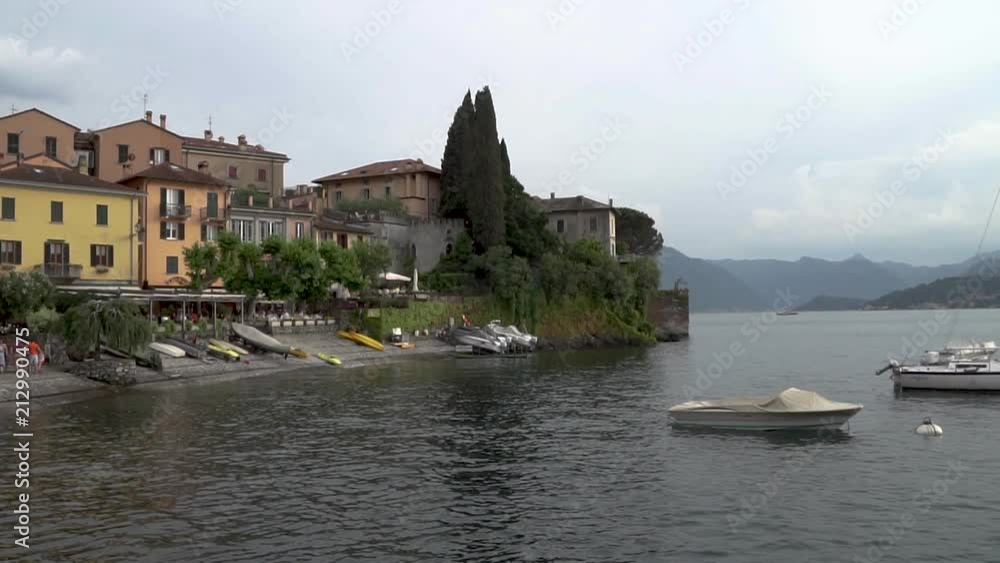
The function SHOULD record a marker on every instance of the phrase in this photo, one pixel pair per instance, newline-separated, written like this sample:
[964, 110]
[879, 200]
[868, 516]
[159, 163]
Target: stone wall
[668, 313]
[428, 238]
[111, 371]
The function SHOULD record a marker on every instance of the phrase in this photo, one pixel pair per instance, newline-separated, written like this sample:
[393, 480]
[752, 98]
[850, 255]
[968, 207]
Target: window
[300, 230]
[159, 155]
[560, 226]
[7, 209]
[10, 252]
[122, 154]
[612, 225]
[13, 143]
[55, 212]
[102, 214]
[56, 253]
[171, 231]
[102, 255]
[278, 228]
[210, 233]
[342, 240]
[50, 147]
[172, 265]
[172, 203]
[388, 192]
[338, 195]
[243, 229]
[265, 230]
[262, 174]
[366, 193]
[234, 172]
[593, 224]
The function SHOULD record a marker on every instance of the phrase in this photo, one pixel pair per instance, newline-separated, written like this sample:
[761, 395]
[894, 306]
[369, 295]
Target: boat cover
[789, 400]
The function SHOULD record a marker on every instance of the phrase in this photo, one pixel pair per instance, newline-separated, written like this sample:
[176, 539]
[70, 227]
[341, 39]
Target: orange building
[415, 184]
[183, 206]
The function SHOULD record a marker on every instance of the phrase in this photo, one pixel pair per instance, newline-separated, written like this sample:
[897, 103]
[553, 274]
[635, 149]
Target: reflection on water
[551, 458]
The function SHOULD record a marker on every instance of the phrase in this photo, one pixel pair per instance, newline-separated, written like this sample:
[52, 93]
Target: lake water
[551, 458]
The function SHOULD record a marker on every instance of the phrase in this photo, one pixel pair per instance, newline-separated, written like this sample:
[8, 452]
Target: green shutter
[93, 255]
[204, 232]
[102, 214]
[163, 230]
[8, 208]
[180, 231]
[111, 255]
[17, 252]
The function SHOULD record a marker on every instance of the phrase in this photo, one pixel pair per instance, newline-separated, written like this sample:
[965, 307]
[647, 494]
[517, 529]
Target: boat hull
[764, 420]
[948, 381]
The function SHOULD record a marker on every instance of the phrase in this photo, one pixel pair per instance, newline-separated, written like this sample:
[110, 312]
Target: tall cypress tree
[504, 159]
[485, 201]
[457, 160]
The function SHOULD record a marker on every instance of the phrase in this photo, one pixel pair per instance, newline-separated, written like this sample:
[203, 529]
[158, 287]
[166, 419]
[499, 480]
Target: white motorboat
[965, 367]
[792, 409]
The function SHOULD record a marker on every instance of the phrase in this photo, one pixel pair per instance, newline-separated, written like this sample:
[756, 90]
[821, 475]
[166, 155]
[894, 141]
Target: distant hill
[832, 303]
[857, 277]
[711, 288]
[958, 292]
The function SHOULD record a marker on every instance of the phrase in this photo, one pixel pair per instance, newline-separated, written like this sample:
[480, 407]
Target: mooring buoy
[928, 428]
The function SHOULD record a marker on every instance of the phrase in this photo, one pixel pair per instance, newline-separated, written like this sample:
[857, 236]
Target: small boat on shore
[167, 349]
[222, 353]
[259, 340]
[328, 358]
[229, 346]
[361, 339]
[190, 349]
[792, 409]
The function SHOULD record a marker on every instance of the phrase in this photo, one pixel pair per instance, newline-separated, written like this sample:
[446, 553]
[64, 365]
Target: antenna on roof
[145, 103]
[209, 122]
[13, 109]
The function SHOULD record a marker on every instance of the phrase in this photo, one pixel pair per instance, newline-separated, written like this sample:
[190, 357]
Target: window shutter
[180, 197]
[93, 255]
[163, 230]
[163, 202]
[213, 204]
[111, 255]
[66, 253]
[152, 156]
[48, 253]
[17, 252]
[167, 155]
[204, 232]
[180, 231]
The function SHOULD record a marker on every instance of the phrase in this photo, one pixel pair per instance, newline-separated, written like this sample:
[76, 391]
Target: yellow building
[69, 226]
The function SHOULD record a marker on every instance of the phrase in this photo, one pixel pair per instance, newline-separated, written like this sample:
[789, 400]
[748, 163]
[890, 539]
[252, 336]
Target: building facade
[32, 133]
[242, 166]
[416, 185]
[71, 227]
[255, 219]
[124, 150]
[577, 218]
[183, 206]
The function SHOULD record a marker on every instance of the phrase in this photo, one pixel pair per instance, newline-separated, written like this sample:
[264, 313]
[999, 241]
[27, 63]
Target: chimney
[579, 199]
[203, 167]
[242, 140]
[208, 134]
[552, 195]
[611, 202]
[222, 139]
[149, 116]
[163, 121]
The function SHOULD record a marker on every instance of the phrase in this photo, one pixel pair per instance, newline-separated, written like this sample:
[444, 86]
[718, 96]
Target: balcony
[216, 215]
[60, 272]
[174, 211]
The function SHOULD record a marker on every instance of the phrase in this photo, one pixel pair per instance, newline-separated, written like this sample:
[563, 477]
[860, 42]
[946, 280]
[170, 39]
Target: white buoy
[928, 428]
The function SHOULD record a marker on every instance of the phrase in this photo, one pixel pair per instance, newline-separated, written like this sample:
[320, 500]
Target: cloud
[42, 75]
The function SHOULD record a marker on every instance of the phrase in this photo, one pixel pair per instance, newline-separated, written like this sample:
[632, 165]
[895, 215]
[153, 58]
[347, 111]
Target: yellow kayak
[225, 352]
[228, 346]
[328, 358]
[367, 341]
[301, 354]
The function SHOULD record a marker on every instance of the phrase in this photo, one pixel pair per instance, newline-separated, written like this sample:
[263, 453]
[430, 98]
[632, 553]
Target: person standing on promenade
[34, 356]
[3, 356]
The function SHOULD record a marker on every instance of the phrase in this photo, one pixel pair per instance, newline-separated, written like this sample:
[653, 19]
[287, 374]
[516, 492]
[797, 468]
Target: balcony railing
[60, 271]
[174, 211]
[211, 215]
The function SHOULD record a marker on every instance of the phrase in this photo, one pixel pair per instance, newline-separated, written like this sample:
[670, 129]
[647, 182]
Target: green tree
[203, 263]
[241, 267]
[485, 199]
[635, 232]
[341, 265]
[457, 161]
[373, 259]
[23, 293]
[117, 323]
[510, 278]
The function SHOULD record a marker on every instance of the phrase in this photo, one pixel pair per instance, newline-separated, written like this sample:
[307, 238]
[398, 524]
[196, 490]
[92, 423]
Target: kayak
[298, 353]
[224, 353]
[168, 349]
[367, 341]
[229, 346]
[189, 349]
[328, 358]
[259, 340]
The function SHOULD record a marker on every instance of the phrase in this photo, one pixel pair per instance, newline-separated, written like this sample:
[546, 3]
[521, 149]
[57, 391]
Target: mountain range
[753, 284]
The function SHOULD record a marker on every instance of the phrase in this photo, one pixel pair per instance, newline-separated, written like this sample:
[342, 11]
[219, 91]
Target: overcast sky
[668, 96]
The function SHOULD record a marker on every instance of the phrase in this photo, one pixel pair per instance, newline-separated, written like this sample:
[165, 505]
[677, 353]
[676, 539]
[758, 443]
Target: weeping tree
[118, 324]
